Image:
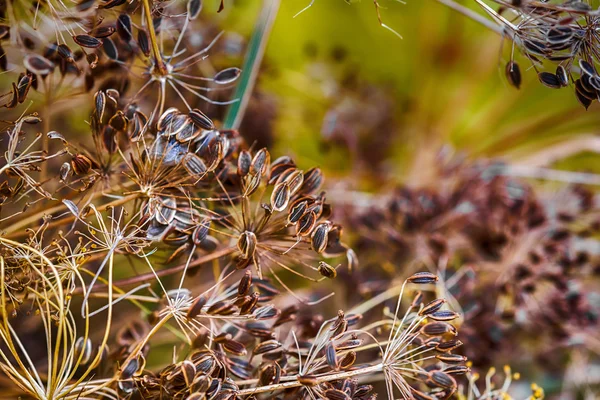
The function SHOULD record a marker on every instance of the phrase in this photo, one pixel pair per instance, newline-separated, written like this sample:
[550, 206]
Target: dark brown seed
[234, 347]
[327, 270]
[227, 76]
[118, 121]
[245, 282]
[563, 77]
[313, 179]
[443, 380]
[443, 315]
[306, 223]
[349, 344]
[124, 27]
[260, 163]
[432, 306]
[451, 358]
[267, 346]
[450, 345]
[220, 308]
[23, 87]
[196, 307]
[250, 304]
[188, 370]
[438, 329]
[194, 165]
[193, 9]
[335, 394]
[38, 64]
[129, 369]
[65, 52]
[348, 360]
[244, 162]
[81, 164]
[270, 374]
[550, 80]
[87, 41]
[422, 278]
[201, 231]
[331, 356]
[587, 68]
[280, 197]
[247, 244]
[513, 74]
[110, 49]
[102, 32]
[143, 42]
[308, 380]
[297, 211]
[457, 370]
[583, 99]
[201, 119]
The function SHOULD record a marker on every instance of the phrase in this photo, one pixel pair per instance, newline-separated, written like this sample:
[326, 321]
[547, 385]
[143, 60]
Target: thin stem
[155, 50]
[319, 379]
[170, 271]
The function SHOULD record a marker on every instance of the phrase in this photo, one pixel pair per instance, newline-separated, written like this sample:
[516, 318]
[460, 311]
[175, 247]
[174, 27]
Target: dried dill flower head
[557, 37]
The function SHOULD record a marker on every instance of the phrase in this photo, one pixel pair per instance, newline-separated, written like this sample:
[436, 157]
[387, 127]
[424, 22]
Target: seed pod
[267, 346]
[110, 49]
[245, 283]
[265, 312]
[188, 370]
[443, 380]
[87, 41]
[65, 52]
[143, 42]
[23, 86]
[118, 122]
[297, 211]
[587, 68]
[308, 380]
[331, 356]
[244, 162]
[438, 329]
[306, 223]
[124, 28]
[335, 394]
[450, 345]
[562, 75]
[550, 80]
[348, 360]
[129, 369]
[280, 197]
[193, 9]
[194, 165]
[422, 278]
[84, 349]
[201, 232]
[201, 120]
[196, 307]
[443, 315]
[81, 164]
[294, 179]
[38, 64]
[269, 374]
[220, 308]
[226, 76]
[260, 163]
[65, 172]
[451, 358]
[250, 304]
[432, 307]
[457, 370]
[513, 74]
[327, 270]
[234, 347]
[247, 244]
